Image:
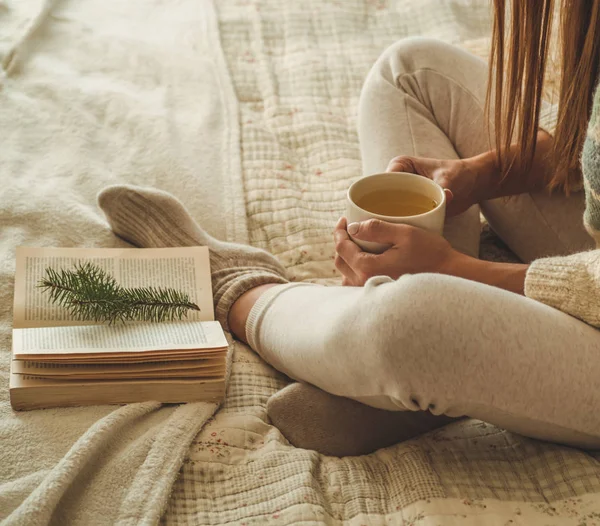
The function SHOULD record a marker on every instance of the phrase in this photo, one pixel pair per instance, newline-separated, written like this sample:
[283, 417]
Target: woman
[426, 331]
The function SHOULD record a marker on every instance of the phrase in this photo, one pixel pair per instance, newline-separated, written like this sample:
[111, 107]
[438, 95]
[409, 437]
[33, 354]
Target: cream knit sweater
[572, 283]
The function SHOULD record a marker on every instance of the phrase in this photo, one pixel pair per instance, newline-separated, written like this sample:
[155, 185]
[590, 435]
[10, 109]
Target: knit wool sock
[148, 218]
[332, 425]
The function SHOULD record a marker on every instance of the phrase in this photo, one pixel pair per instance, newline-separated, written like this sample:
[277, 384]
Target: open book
[60, 361]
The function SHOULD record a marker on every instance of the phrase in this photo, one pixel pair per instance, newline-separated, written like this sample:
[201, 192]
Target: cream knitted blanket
[94, 93]
[144, 97]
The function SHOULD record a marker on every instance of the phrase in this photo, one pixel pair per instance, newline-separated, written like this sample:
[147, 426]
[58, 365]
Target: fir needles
[89, 293]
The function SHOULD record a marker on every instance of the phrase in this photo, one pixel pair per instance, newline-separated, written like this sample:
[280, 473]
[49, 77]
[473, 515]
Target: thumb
[375, 230]
[403, 163]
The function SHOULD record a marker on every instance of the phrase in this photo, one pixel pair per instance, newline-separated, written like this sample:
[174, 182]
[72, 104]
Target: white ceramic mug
[432, 220]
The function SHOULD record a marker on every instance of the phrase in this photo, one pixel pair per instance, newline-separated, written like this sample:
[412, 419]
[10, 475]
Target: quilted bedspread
[297, 68]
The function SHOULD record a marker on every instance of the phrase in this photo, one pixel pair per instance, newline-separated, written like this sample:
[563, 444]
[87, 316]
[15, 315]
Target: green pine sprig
[89, 293]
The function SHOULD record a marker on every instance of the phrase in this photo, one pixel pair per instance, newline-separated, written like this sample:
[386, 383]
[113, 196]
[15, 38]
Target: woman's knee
[421, 363]
[402, 59]
[407, 56]
[414, 53]
[413, 314]
[400, 325]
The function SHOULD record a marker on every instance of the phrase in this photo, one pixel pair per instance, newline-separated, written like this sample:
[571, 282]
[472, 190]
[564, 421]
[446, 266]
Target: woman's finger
[349, 251]
[349, 277]
[345, 269]
[341, 224]
[377, 231]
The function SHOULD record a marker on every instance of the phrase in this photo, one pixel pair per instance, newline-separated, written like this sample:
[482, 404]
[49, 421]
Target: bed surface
[276, 178]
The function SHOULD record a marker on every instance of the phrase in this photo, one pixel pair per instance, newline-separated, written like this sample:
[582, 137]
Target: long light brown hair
[518, 61]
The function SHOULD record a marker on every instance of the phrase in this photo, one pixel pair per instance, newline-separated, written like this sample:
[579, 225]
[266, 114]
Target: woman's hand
[413, 250]
[467, 181]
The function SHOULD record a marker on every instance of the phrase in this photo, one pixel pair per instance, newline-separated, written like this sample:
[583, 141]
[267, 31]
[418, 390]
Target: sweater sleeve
[570, 284]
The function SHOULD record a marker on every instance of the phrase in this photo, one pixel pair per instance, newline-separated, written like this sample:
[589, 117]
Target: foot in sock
[148, 218]
[332, 425]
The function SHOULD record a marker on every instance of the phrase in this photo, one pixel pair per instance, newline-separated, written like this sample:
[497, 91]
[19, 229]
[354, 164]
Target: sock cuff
[229, 293]
[260, 308]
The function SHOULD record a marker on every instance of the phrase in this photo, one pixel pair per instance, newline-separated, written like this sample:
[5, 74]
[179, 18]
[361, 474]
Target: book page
[117, 358]
[22, 381]
[59, 369]
[118, 338]
[68, 373]
[186, 269]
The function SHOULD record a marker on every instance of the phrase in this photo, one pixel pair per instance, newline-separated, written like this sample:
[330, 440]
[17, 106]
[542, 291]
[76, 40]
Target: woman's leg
[426, 98]
[435, 342]
[423, 342]
[540, 225]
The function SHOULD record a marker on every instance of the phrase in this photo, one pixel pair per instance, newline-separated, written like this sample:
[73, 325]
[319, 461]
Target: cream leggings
[435, 342]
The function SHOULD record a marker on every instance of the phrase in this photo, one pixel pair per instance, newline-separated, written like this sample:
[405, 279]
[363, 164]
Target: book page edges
[68, 394]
